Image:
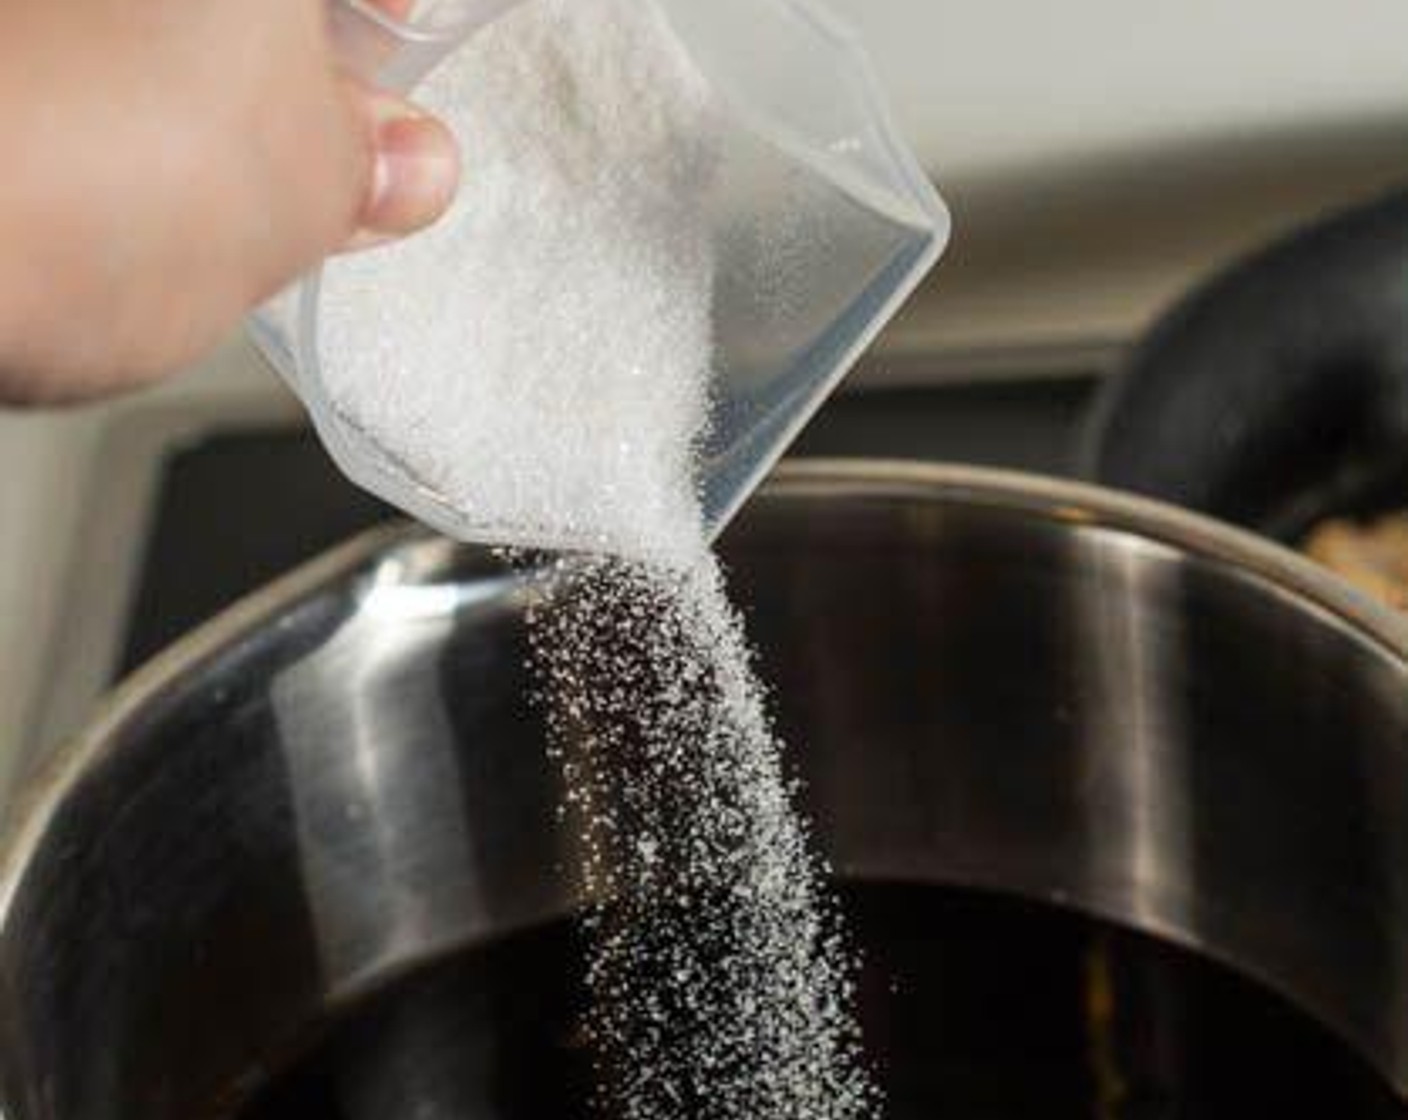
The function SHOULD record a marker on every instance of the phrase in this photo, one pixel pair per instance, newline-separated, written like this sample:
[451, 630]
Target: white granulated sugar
[541, 358]
[721, 986]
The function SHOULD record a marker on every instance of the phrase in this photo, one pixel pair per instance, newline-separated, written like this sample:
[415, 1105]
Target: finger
[397, 9]
[415, 170]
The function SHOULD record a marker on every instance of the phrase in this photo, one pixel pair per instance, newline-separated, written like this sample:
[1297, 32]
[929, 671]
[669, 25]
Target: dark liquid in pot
[974, 1007]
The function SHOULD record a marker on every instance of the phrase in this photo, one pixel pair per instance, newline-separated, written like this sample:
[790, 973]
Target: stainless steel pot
[989, 680]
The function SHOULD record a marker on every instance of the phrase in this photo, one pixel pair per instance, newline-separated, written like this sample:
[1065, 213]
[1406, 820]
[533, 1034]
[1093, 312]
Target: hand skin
[171, 163]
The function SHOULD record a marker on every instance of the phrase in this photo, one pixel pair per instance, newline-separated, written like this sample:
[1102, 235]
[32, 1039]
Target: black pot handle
[1277, 393]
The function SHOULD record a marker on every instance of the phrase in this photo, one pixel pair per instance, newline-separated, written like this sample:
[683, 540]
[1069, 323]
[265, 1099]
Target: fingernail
[415, 172]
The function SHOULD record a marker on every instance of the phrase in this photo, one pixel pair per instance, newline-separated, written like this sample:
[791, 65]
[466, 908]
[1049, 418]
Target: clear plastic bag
[823, 223]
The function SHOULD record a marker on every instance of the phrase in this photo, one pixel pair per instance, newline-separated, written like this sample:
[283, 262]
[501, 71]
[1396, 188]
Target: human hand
[172, 163]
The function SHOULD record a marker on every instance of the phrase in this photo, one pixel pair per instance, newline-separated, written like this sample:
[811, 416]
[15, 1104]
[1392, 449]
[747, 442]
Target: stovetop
[234, 510]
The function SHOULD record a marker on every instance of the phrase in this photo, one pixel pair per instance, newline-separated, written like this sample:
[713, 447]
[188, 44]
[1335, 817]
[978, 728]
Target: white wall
[1101, 156]
[984, 84]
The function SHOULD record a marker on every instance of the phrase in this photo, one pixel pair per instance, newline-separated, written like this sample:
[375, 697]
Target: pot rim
[42, 791]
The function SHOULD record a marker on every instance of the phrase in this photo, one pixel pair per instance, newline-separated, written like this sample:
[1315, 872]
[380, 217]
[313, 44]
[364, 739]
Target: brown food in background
[1373, 555]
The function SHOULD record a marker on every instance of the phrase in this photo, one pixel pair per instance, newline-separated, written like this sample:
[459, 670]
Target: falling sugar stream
[722, 986]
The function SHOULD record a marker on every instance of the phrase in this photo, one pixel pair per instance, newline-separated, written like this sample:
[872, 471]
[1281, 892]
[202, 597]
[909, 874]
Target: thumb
[415, 168]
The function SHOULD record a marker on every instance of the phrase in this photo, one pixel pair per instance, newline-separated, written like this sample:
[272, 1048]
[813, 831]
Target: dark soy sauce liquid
[975, 1007]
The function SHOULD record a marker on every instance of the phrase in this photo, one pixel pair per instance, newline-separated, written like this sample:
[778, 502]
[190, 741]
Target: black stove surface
[235, 511]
